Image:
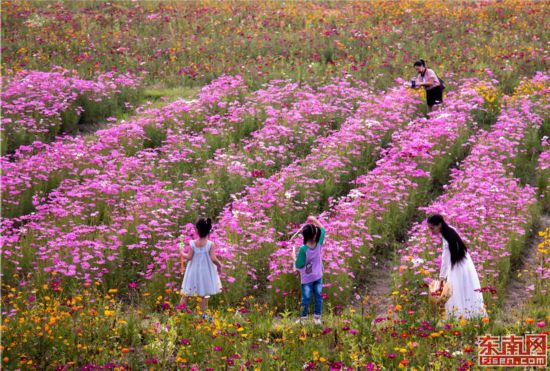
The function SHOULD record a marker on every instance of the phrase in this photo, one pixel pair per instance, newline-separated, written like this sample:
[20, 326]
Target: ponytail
[203, 225]
[311, 233]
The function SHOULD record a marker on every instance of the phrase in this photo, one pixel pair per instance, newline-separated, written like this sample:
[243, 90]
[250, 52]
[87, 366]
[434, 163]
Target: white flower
[354, 193]
[369, 123]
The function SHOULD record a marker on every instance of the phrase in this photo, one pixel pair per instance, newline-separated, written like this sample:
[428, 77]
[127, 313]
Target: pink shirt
[429, 76]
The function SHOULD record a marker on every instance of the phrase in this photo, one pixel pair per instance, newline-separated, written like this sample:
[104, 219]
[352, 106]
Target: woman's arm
[445, 262]
[214, 257]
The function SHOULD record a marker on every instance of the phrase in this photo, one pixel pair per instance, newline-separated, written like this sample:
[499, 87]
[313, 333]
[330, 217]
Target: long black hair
[204, 225]
[311, 233]
[456, 245]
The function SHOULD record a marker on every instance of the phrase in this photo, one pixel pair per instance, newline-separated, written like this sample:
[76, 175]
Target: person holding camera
[429, 80]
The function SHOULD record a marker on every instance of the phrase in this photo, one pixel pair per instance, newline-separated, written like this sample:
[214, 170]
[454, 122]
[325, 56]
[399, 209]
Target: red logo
[512, 350]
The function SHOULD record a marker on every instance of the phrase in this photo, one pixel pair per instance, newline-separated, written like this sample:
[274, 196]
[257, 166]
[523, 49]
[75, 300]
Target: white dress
[465, 301]
[201, 275]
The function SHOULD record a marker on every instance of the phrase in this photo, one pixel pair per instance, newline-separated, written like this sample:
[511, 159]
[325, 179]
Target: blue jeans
[307, 288]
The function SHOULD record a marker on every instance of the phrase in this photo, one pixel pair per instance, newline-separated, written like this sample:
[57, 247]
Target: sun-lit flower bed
[40, 167]
[250, 226]
[194, 42]
[44, 326]
[386, 198]
[489, 207]
[292, 109]
[122, 219]
[38, 106]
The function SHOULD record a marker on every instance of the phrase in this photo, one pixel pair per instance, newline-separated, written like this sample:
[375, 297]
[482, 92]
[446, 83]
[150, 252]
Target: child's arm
[214, 258]
[185, 256]
[189, 255]
[300, 261]
[313, 220]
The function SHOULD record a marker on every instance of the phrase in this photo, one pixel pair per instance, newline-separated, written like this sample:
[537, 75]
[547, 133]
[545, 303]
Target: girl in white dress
[457, 268]
[202, 274]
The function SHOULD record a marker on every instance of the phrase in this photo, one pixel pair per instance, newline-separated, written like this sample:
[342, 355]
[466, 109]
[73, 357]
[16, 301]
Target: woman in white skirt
[457, 268]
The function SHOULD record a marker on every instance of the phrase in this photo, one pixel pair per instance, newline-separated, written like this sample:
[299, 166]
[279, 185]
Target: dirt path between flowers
[377, 288]
[512, 309]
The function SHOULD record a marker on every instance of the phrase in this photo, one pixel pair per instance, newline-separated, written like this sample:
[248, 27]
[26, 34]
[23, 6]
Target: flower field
[294, 109]
[192, 43]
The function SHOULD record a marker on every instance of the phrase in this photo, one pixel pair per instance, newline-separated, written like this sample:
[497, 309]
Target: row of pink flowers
[37, 168]
[35, 102]
[541, 273]
[384, 199]
[544, 159]
[126, 215]
[484, 201]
